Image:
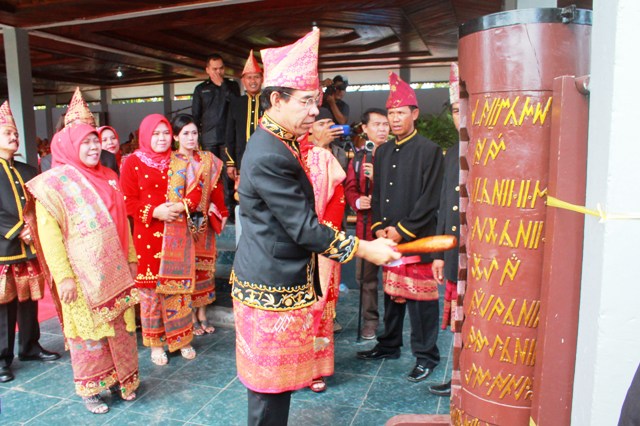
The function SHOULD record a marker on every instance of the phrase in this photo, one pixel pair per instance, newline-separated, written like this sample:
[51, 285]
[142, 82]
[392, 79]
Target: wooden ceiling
[84, 42]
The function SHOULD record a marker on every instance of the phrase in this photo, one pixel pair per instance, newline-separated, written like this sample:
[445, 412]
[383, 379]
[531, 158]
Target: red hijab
[65, 150]
[159, 160]
[118, 154]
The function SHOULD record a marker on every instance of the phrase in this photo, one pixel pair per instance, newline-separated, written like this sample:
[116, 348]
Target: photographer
[358, 189]
[332, 100]
[332, 136]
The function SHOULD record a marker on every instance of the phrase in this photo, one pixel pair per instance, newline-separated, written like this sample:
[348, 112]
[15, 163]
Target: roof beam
[142, 13]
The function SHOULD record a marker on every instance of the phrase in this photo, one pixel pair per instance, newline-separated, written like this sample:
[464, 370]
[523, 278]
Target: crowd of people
[116, 232]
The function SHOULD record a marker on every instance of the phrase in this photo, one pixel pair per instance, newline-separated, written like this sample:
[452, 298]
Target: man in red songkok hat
[405, 199]
[274, 278]
[244, 116]
[21, 279]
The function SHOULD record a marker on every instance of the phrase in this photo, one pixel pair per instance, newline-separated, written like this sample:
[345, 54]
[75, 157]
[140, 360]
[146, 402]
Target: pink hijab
[65, 150]
[158, 160]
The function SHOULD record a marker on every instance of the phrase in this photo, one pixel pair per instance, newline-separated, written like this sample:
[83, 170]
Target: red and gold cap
[251, 66]
[294, 66]
[78, 111]
[6, 116]
[400, 93]
[454, 84]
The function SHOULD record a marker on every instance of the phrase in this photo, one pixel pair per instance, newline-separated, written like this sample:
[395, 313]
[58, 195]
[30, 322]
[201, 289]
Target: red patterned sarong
[99, 364]
[204, 292]
[414, 281]
[324, 358]
[166, 319]
[450, 303]
[274, 350]
[23, 280]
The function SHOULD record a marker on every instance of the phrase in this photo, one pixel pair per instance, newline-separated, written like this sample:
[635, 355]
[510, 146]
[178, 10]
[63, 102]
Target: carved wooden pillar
[508, 62]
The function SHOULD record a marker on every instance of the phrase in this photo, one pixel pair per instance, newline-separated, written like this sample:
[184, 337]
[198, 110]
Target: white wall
[609, 337]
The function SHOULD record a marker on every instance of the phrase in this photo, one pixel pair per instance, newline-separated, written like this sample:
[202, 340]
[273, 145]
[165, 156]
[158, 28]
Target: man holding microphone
[358, 189]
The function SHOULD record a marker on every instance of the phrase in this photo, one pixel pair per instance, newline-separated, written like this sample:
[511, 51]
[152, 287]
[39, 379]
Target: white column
[19, 82]
[608, 336]
[528, 4]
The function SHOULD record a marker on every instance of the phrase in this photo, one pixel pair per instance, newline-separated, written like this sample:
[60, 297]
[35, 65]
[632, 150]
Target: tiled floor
[205, 391]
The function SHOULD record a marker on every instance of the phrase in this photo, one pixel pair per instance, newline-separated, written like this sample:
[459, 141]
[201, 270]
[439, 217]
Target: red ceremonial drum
[508, 62]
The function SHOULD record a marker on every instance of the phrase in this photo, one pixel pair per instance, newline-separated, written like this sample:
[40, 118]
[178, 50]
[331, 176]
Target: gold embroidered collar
[281, 133]
[400, 142]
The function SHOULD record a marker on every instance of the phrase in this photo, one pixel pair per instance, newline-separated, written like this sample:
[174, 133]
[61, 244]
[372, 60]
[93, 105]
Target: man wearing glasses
[274, 278]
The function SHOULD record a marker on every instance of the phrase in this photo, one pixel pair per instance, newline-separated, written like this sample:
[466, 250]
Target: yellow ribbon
[598, 212]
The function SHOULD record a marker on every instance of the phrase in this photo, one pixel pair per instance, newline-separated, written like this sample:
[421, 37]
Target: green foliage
[439, 128]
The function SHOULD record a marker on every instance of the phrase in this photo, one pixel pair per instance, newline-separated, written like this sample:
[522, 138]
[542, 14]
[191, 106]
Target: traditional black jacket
[243, 120]
[275, 262]
[13, 176]
[406, 188]
[449, 212]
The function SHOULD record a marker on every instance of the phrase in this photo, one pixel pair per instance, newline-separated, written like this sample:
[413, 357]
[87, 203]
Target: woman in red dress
[166, 254]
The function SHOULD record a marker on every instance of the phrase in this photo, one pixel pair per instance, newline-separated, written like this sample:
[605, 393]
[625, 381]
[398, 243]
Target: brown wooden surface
[562, 267]
[84, 42]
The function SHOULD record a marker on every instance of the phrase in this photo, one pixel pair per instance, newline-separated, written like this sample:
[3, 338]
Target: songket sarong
[204, 292]
[99, 364]
[24, 280]
[329, 271]
[414, 281]
[450, 304]
[274, 350]
[166, 319]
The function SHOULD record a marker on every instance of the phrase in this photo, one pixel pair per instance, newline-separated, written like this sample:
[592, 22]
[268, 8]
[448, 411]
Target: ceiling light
[119, 73]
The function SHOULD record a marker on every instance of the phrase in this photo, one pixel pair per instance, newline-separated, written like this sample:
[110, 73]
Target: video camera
[338, 83]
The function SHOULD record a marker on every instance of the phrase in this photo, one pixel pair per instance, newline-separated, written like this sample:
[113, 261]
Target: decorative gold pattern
[342, 248]
[144, 214]
[274, 298]
[281, 133]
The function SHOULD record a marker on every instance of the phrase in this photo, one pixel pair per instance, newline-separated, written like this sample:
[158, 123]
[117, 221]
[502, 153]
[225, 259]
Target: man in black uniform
[406, 192]
[21, 279]
[209, 106]
[210, 103]
[274, 275]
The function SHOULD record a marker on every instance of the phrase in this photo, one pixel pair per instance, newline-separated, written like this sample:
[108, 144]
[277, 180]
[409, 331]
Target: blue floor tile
[207, 391]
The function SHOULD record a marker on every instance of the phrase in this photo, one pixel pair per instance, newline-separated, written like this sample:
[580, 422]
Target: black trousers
[228, 184]
[268, 409]
[630, 413]
[26, 315]
[424, 319]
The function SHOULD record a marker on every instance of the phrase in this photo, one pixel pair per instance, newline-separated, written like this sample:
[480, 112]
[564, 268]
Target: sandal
[188, 352]
[318, 385]
[160, 358]
[95, 404]
[198, 329]
[206, 328]
[115, 390]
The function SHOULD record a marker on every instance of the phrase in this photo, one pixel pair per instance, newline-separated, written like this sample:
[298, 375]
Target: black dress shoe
[43, 355]
[377, 353]
[6, 375]
[419, 372]
[441, 390]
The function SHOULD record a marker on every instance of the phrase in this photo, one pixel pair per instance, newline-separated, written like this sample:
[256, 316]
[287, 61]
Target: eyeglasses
[308, 102]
